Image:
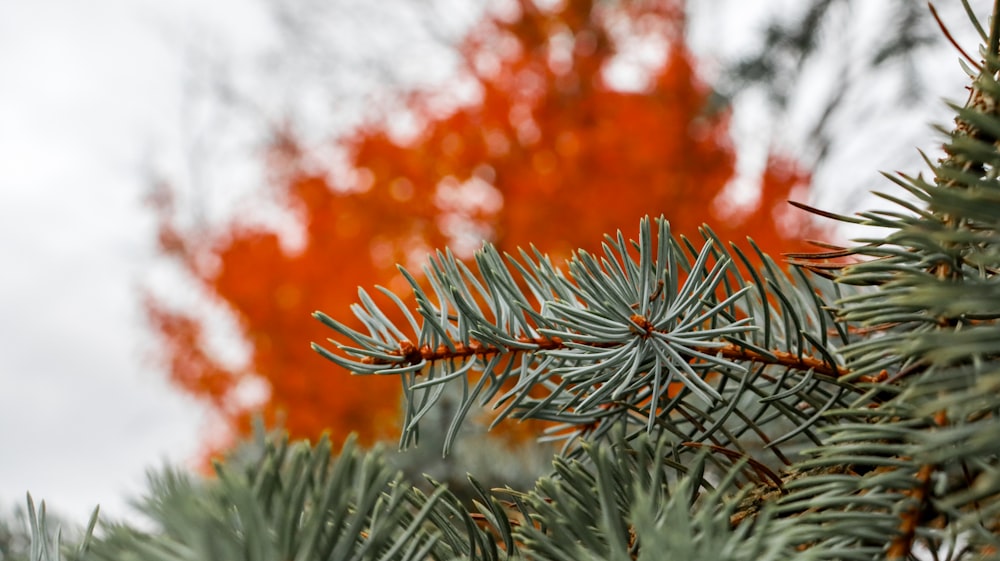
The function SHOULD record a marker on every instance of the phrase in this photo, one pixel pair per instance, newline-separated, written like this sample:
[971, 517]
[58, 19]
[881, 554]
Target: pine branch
[299, 502]
[913, 465]
[652, 334]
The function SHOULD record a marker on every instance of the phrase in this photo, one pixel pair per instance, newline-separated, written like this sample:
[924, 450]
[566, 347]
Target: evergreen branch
[636, 333]
[880, 487]
[299, 503]
[46, 543]
[627, 502]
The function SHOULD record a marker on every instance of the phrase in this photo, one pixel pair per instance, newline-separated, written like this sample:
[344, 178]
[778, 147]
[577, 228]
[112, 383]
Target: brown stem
[902, 544]
[954, 43]
[414, 355]
[762, 470]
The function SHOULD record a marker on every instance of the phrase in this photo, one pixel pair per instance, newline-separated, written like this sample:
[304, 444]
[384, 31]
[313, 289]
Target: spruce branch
[623, 501]
[652, 333]
[923, 468]
[300, 502]
[46, 542]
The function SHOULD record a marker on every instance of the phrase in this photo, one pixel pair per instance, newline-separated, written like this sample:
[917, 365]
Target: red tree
[550, 152]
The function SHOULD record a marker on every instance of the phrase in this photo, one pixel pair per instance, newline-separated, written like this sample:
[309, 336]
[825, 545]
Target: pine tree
[709, 406]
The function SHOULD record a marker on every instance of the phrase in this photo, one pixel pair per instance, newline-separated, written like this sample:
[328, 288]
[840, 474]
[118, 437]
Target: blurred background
[182, 183]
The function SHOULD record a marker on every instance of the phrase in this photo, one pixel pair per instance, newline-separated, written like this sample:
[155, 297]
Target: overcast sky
[87, 91]
[90, 93]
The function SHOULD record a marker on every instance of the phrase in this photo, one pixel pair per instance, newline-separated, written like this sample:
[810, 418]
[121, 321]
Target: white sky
[88, 91]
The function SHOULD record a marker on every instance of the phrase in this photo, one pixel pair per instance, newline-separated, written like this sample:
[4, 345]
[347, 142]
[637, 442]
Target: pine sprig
[623, 502]
[300, 502]
[651, 333]
[922, 470]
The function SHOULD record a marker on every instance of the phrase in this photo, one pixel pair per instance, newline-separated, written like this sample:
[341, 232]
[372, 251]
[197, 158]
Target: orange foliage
[549, 153]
